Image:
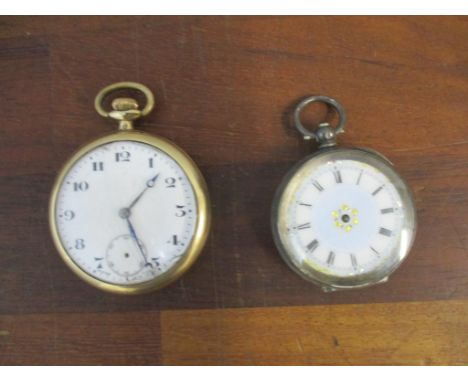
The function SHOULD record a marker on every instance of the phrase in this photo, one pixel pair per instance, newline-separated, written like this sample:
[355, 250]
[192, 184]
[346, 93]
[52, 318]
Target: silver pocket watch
[342, 218]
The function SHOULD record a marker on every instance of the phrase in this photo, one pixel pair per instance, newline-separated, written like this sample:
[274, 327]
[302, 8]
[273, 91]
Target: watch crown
[325, 135]
[124, 104]
[125, 110]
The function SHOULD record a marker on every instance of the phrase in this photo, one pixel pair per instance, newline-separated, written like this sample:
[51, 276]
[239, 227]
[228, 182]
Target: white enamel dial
[344, 218]
[126, 213]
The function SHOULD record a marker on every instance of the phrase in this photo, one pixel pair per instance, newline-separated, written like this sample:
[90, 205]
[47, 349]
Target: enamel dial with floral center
[126, 213]
[343, 218]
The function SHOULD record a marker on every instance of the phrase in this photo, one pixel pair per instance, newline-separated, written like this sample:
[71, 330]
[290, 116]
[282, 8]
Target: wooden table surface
[225, 87]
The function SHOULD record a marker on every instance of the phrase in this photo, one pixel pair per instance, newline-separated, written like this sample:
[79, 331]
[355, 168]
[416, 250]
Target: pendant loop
[125, 109]
[324, 134]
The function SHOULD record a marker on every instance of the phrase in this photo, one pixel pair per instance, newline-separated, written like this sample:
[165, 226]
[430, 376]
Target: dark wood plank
[81, 339]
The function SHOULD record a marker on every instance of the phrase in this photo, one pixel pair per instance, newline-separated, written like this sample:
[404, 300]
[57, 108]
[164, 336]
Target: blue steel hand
[134, 236]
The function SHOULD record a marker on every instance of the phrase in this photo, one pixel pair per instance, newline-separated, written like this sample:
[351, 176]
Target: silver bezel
[321, 276]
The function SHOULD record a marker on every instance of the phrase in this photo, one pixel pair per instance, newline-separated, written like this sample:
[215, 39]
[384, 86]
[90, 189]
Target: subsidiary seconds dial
[126, 212]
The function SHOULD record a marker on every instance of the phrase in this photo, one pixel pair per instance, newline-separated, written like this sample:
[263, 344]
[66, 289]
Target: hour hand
[149, 184]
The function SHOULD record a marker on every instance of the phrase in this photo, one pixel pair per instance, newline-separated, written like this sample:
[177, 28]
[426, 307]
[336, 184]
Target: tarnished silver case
[320, 276]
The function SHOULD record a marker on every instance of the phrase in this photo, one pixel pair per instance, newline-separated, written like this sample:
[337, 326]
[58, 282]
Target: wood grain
[417, 333]
[225, 87]
[369, 334]
[80, 339]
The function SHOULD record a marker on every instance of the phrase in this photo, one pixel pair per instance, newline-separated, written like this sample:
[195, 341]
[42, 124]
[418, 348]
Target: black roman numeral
[317, 185]
[385, 232]
[303, 226]
[337, 175]
[312, 246]
[377, 191]
[331, 258]
[353, 261]
[359, 178]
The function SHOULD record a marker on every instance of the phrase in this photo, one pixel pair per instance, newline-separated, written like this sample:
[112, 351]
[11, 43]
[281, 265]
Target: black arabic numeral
[98, 166]
[180, 211]
[123, 156]
[68, 215]
[170, 182]
[79, 244]
[80, 186]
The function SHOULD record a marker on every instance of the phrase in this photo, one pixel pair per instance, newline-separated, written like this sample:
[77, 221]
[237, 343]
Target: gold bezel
[201, 197]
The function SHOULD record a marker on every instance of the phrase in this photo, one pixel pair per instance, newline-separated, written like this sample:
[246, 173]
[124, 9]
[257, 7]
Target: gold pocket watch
[342, 217]
[129, 212]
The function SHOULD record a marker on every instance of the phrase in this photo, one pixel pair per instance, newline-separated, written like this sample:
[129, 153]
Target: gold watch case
[202, 224]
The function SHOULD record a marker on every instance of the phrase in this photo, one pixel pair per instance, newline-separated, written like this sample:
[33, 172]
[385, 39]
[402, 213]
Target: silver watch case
[320, 276]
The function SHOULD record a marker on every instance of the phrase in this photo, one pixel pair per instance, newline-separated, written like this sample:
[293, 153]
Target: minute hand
[149, 184]
[137, 240]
